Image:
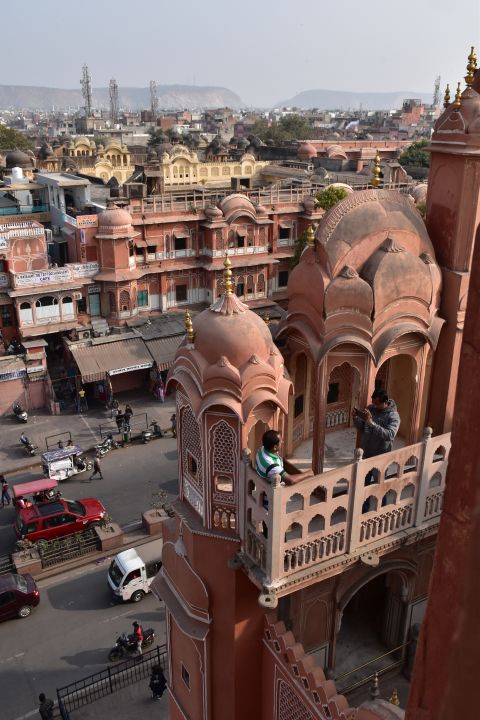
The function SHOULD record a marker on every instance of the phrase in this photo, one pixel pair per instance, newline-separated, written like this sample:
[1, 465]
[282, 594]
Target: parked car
[18, 595]
[51, 520]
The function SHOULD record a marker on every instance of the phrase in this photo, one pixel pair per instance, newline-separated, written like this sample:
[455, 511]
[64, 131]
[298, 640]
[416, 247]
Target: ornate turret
[376, 171]
[458, 97]
[189, 327]
[311, 237]
[471, 67]
[446, 97]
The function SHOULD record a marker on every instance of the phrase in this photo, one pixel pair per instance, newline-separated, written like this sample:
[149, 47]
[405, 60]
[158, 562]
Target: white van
[132, 571]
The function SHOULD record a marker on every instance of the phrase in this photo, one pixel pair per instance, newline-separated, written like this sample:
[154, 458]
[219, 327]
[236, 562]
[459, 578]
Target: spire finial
[189, 327]
[394, 699]
[471, 67]
[458, 97]
[446, 97]
[227, 276]
[266, 319]
[311, 237]
[375, 181]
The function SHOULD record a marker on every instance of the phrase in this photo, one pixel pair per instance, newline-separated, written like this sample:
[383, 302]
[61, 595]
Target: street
[67, 636]
[131, 475]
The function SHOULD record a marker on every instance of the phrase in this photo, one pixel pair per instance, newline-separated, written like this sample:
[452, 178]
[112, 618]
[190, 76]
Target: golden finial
[458, 97]
[375, 181]
[311, 237]
[266, 319]
[395, 700]
[227, 276]
[189, 327]
[471, 67]
[446, 97]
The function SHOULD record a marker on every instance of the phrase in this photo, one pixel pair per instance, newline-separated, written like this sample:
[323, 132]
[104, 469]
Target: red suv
[47, 521]
[18, 595]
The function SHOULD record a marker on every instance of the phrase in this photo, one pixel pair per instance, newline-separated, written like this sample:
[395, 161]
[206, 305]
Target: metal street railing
[108, 681]
[344, 689]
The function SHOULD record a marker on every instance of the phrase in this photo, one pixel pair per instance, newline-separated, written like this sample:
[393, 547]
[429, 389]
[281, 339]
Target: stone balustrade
[287, 528]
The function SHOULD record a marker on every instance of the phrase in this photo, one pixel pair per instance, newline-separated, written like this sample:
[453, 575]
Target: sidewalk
[132, 702]
[85, 428]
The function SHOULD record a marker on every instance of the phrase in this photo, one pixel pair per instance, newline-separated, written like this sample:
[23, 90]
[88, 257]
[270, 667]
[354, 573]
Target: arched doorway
[398, 376]
[255, 437]
[342, 396]
[372, 625]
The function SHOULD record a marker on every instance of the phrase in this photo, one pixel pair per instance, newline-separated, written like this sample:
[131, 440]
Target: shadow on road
[86, 658]
[72, 595]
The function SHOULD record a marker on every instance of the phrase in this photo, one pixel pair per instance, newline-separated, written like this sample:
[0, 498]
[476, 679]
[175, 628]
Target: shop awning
[163, 350]
[111, 358]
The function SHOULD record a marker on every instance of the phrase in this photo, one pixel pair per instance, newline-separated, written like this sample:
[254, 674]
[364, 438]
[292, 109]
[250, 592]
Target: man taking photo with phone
[378, 424]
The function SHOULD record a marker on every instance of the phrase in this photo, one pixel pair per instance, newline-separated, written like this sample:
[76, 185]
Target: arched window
[316, 524]
[370, 504]
[407, 492]
[26, 315]
[46, 308]
[318, 495]
[392, 471]
[294, 503]
[439, 454]
[67, 308]
[340, 488]
[339, 516]
[261, 284]
[250, 287]
[124, 301]
[390, 498]
[435, 480]
[293, 532]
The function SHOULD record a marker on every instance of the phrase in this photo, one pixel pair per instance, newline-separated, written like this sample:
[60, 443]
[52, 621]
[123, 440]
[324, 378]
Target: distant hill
[169, 97]
[339, 100]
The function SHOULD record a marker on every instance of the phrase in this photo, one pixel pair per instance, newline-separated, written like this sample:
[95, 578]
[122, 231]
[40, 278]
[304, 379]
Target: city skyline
[244, 48]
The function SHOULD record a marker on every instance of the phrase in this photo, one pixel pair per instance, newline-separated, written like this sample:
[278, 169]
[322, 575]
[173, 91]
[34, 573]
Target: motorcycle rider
[24, 440]
[138, 636]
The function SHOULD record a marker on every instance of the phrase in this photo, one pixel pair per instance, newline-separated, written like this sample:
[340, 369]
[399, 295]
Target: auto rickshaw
[63, 463]
[35, 492]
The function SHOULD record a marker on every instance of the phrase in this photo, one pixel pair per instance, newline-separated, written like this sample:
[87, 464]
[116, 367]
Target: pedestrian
[5, 493]
[378, 424]
[97, 469]
[173, 425]
[82, 401]
[158, 682]
[119, 419]
[113, 408]
[46, 707]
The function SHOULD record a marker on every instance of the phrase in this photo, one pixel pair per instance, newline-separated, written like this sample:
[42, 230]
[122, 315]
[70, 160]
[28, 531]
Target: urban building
[276, 593]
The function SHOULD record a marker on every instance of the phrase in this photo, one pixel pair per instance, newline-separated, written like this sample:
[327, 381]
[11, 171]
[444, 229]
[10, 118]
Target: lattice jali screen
[290, 705]
[191, 448]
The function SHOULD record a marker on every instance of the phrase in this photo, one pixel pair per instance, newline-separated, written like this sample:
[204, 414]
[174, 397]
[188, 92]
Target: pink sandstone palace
[271, 589]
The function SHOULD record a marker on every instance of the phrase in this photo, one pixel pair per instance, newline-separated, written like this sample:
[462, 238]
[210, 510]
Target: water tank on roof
[17, 174]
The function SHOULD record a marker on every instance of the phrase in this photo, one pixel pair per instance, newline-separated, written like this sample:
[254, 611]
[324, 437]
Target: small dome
[230, 329]
[17, 158]
[237, 204]
[261, 210]
[335, 152]
[114, 218]
[306, 151]
[419, 193]
[213, 213]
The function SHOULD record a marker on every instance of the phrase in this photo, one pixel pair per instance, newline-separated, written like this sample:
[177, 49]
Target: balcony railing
[289, 528]
[24, 209]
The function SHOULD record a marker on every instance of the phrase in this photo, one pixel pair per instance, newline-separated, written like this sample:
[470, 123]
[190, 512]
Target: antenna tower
[86, 83]
[113, 89]
[153, 100]
[436, 92]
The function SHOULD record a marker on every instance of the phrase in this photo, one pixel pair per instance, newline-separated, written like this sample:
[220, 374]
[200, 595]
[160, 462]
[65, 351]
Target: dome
[350, 231]
[419, 193]
[306, 151]
[114, 218]
[336, 152]
[235, 205]
[213, 213]
[17, 158]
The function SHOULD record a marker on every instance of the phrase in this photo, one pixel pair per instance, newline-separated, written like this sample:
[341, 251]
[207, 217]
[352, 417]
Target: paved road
[67, 637]
[131, 475]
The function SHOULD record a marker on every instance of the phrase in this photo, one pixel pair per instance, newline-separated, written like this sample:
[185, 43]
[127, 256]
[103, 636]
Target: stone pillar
[318, 447]
[445, 673]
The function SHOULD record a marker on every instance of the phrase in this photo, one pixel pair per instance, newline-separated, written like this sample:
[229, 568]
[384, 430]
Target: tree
[415, 155]
[300, 244]
[290, 127]
[11, 139]
[330, 196]
[157, 136]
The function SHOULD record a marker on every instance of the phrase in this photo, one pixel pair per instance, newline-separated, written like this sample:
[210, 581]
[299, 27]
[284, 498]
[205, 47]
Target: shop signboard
[12, 375]
[88, 269]
[87, 221]
[41, 277]
[131, 368]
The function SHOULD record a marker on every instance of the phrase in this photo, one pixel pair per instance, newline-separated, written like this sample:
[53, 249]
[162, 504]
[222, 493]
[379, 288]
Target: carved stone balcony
[293, 533]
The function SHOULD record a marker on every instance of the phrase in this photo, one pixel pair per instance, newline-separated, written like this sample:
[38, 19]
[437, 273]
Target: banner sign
[13, 375]
[131, 368]
[86, 221]
[41, 277]
[87, 269]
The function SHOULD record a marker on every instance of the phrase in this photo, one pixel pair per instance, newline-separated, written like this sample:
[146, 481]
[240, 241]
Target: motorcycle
[107, 444]
[156, 429]
[30, 448]
[146, 436]
[126, 646]
[20, 414]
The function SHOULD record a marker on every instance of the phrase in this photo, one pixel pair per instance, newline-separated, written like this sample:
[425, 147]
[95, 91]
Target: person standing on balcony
[378, 424]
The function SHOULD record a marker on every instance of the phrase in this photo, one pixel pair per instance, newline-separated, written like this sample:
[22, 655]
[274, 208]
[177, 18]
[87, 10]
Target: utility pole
[86, 83]
[436, 92]
[153, 101]
[113, 89]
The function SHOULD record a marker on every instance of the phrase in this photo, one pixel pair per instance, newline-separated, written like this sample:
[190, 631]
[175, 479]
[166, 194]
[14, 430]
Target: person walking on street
[127, 415]
[173, 425]
[158, 682]
[113, 408]
[119, 419]
[5, 493]
[97, 469]
[46, 707]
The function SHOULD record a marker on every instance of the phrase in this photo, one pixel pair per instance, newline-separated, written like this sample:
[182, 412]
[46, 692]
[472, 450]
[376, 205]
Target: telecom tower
[436, 92]
[153, 100]
[113, 89]
[86, 83]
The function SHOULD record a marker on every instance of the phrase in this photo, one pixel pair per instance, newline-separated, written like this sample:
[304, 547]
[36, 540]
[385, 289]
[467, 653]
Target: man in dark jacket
[378, 424]
[46, 707]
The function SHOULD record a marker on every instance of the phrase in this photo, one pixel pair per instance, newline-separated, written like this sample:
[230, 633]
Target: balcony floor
[339, 450]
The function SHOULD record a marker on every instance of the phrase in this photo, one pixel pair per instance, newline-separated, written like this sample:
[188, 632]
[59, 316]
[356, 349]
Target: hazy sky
[264, 50]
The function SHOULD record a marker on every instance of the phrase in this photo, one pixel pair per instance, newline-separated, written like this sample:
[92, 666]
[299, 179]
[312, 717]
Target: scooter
[30, 448]
[156, 429]
[20, 414]
[146, 436]
[107, 444]
[126, 646]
